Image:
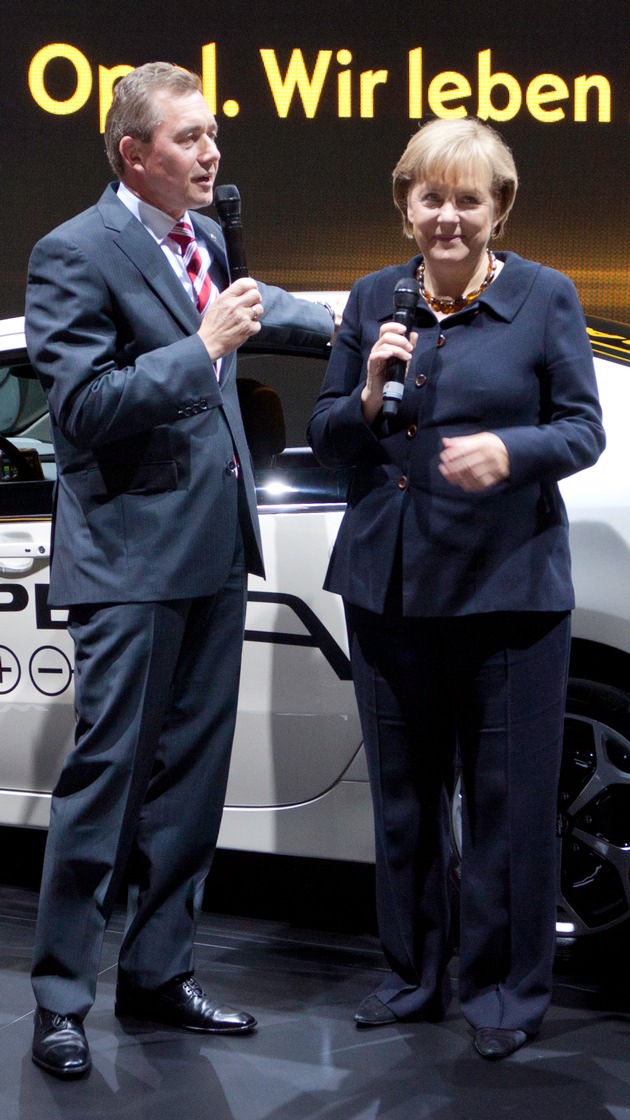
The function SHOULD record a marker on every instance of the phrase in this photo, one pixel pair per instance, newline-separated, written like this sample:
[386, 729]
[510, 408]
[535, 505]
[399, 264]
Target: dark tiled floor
[307, 1061]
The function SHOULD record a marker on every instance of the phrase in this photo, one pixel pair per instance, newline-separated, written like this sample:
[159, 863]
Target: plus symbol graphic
[4, 669]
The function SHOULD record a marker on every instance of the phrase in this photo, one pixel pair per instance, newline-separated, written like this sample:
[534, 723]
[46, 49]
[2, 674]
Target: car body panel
[598, 501]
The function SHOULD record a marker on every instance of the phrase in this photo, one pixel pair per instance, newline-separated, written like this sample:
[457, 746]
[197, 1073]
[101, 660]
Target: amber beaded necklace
[447, 306]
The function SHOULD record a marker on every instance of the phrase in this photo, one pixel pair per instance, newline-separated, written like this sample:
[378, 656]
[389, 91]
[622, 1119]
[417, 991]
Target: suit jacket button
[441, 340]
[411, 431]
[420, 380]
[403, 482]
[230, 468]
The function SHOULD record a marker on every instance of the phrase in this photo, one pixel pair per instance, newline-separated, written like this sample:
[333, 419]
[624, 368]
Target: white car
[298, 781]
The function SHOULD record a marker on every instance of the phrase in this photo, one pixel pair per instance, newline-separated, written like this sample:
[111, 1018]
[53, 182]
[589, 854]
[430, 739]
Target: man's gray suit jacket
[145, 435]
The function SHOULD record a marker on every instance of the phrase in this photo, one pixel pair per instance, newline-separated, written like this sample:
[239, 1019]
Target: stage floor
[307, 1060]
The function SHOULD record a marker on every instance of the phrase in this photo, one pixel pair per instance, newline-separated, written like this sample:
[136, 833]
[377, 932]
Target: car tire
[594, 810]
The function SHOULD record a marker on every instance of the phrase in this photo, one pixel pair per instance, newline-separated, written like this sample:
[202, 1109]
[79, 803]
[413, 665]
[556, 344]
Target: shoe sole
[122, 1013]
[63, 1075]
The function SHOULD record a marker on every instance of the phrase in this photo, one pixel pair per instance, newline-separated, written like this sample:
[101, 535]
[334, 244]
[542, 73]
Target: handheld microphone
[228, 204]
[406, 295]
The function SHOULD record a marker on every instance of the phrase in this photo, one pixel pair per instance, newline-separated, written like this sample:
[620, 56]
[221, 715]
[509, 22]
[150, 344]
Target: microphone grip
[228, 204]
[233, 234]
[405, 303]
[397, 370]
[394, 388]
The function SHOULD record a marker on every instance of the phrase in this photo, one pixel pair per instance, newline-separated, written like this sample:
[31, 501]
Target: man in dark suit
[132, 328]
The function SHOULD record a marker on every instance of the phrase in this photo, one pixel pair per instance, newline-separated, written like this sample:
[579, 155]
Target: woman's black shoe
[497, 1042]
[372, 1012]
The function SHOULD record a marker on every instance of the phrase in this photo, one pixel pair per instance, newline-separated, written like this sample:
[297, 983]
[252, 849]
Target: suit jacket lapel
[143, 251]
[218, 268]
[219, 275]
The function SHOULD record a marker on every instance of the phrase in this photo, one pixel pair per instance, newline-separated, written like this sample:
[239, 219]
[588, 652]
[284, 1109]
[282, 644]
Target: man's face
[176, 169]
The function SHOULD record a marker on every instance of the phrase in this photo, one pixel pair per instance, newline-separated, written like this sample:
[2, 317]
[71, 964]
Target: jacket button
[411, 431]
[421, 380]
[441, 340]
[403, 482]
[230, 468]
[188, 410]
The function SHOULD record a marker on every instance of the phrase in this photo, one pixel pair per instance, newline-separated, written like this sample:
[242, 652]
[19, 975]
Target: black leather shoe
[180, 1003]
[497, 1042]
[372, 1012]
[59, 1044]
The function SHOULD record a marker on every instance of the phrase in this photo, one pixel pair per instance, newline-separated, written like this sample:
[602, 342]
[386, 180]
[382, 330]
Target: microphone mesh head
[406, 292]
[227, 199]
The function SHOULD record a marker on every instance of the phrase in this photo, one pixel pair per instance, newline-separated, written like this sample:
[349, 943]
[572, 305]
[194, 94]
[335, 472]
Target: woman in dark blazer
[453, 563]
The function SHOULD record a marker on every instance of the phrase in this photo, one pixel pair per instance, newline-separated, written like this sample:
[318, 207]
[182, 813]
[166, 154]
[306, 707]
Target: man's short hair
[135, 111]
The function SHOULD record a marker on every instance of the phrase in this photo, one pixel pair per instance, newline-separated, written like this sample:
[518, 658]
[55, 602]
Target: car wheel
[593, 811]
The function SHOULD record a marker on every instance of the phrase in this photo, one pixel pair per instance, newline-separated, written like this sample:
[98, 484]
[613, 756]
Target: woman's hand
[392, 342]
[474, 462]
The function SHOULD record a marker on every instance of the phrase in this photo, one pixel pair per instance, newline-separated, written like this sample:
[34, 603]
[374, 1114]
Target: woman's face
[452, 222]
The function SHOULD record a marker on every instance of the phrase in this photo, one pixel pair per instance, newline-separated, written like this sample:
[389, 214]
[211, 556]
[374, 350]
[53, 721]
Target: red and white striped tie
[205, 291]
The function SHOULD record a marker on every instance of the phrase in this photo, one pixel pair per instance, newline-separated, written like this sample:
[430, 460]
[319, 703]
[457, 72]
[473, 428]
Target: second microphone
[406, 295]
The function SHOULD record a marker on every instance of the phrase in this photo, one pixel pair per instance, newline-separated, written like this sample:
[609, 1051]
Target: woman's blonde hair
[450, 150]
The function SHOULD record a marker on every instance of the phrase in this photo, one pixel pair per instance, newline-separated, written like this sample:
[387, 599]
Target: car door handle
[20, 549]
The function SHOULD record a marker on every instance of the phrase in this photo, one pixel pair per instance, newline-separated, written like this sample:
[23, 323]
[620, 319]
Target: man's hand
[474, 462]
[232, 318]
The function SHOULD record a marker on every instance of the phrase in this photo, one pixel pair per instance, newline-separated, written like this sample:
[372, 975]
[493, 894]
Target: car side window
[22, 401]
[277, 393]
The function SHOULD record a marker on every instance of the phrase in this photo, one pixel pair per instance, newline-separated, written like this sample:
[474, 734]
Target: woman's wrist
[371, 404]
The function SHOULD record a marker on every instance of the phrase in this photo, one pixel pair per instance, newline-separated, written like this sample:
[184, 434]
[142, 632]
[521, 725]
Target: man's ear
[130, 150]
